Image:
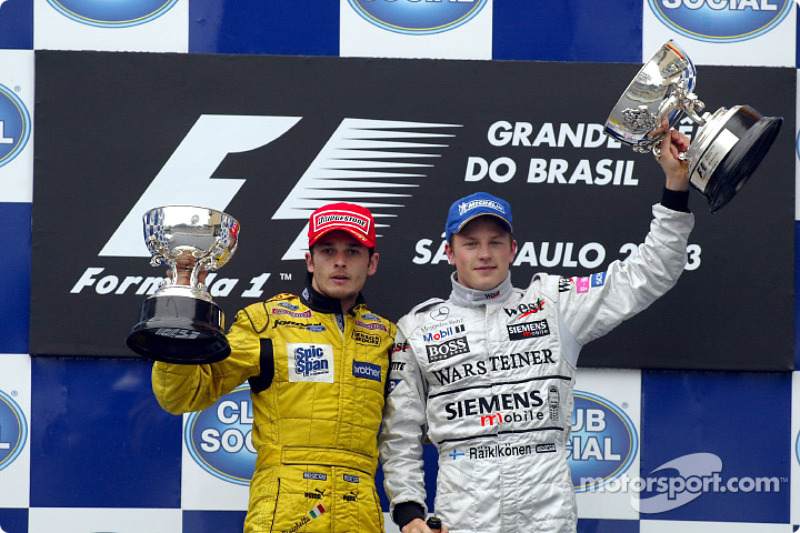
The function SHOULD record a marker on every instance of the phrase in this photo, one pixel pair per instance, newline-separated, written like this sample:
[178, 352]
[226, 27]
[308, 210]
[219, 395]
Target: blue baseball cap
[477, 205]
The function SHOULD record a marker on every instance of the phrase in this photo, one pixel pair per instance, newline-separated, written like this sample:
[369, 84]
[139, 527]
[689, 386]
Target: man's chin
[339, 293]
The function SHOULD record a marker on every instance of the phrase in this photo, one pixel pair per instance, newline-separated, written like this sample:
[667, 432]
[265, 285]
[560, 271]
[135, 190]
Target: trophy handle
[688, 102]
[681, 100]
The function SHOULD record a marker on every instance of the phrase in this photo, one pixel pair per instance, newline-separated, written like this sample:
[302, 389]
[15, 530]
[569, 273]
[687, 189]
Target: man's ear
[373, 264]
[309, 262]
[513, 250]
[451, 256]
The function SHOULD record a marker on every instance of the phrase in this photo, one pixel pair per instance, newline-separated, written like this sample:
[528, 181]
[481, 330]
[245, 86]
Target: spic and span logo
[721, 20]
[219, 438]
[418, 17]
[13, 430]
[117, 14]
[604, 442]
[15, 125]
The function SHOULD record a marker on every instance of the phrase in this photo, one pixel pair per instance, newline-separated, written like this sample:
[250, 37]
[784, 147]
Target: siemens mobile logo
[418, 17]
[604, 442]
[15, 125]
[13, 430]
[721, 20]
[219, 438]
[117, 14]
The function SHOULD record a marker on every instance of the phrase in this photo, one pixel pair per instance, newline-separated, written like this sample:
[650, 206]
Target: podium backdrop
[268, 139]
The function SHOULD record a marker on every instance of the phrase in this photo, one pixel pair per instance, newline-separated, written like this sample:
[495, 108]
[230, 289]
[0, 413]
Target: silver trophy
[179, 323]
[730, 143]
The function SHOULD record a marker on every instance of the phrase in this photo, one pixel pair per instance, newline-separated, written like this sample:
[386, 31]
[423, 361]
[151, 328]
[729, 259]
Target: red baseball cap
[352, 218]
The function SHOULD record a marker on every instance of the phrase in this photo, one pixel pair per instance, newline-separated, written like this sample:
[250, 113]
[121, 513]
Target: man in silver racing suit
[488, 374]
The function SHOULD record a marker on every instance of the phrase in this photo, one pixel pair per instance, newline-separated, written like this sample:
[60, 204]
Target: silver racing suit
[488, 378]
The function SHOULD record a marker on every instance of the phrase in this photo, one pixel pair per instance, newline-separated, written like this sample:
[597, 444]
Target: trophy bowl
[180, 323]
[729, 145]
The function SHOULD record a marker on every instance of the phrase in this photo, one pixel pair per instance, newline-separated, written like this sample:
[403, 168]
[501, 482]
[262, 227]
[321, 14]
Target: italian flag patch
[316, 511]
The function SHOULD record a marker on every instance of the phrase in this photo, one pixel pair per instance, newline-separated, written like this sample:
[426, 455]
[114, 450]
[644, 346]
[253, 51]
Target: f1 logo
[356, 156]
[186, 177]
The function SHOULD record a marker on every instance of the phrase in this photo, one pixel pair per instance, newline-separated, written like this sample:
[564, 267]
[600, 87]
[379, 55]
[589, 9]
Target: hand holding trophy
[730, 144]
[179, 323]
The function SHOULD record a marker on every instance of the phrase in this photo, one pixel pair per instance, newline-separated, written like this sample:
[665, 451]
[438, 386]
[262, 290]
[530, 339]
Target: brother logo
[13, 430]
[367, 370]
[604, 442]
[117, 14]
[220, 440]
[15, 125]
[418, 17]
[721, 20]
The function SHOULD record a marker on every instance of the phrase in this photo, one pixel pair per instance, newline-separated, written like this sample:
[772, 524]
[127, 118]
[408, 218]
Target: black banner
[267, 139]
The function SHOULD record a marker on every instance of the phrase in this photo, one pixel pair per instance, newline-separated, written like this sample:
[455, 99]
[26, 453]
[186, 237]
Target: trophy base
[180, 330]
[756, 135]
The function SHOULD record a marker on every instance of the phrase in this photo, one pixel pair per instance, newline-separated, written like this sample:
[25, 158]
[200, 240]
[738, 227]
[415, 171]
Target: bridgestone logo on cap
[474, 204]
[323, 219]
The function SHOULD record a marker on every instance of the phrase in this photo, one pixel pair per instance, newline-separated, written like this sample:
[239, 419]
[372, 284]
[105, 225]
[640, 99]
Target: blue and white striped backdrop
[84, 447]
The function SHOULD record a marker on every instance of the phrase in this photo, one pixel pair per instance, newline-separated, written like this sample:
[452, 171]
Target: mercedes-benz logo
[440, 313]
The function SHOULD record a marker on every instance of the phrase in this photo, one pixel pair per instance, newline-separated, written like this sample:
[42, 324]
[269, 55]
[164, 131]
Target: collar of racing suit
[324, 304]
[472, 298]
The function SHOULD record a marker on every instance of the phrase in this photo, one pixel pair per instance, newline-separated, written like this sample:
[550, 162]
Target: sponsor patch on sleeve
[599, 279]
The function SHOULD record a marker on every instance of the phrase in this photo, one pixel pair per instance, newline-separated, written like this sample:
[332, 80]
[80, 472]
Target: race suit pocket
[303, 502]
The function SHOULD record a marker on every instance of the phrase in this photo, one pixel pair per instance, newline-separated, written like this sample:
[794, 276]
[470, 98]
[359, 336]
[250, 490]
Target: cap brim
[495, 215]
[358, 236]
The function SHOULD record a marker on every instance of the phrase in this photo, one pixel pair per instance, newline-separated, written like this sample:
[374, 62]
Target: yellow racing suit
[317, 379]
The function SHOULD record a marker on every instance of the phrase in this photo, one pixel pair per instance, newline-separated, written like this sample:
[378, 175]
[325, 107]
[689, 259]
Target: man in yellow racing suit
[317, 366]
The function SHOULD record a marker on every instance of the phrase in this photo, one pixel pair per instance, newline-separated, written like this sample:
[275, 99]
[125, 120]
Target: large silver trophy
[179, 323]
[730, 143]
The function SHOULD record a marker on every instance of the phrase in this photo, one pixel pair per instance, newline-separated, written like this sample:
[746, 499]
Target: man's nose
[341, 258]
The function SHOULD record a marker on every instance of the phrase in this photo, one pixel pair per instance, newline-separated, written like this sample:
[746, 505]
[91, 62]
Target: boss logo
[447, 349]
